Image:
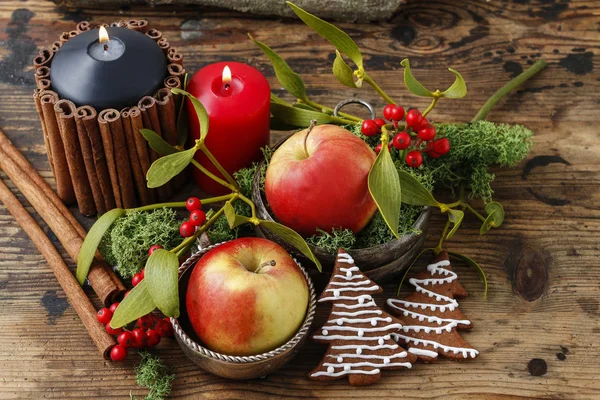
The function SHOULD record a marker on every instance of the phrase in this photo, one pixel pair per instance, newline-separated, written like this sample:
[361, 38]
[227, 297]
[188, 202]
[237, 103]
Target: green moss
[153, 374]
[331, 242]
[126, 244]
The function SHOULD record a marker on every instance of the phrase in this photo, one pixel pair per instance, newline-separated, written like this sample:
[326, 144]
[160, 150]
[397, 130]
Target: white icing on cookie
[422, 352]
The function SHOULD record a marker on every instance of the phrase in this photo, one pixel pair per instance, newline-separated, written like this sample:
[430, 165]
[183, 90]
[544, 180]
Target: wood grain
[541, 265]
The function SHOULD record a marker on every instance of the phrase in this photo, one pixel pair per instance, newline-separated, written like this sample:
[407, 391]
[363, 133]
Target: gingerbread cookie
[359, 333]
[430, 316]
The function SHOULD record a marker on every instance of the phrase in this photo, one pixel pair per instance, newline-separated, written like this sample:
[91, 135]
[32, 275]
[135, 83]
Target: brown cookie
[359, 333]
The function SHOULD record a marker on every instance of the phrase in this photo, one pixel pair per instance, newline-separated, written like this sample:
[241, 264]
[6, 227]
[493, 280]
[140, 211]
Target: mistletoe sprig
[159, 289]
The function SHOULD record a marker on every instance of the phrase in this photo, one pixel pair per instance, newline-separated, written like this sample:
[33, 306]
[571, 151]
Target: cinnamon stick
[154, 34]
[65, 115]
[69, 232]
[89, 132]
[164, 44]
[151, 121]
[117, 157]
[176, 70]
[138, 176]
[142, 148]
[44, 84]
[173, 82]
[75, 294]
[64, 186]
[42, 72]
[56, 45]
[83, 26]
[38, 106]
[140, 25]
[167, 114]
[43, 58]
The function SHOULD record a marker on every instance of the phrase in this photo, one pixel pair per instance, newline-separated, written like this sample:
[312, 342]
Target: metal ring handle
[343, 103]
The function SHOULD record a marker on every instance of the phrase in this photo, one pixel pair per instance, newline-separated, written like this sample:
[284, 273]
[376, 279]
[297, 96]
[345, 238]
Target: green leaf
[297, 116]
[342, 71]
[157, 143]
[305, 107]
[137, 304]
[293, 238]
[165, 168]
[161, 280]
[414, 193]
[200, 112]
[92, 241]
[277, 125]
[332, 34]
[279, 100]
[290, 80]
[384, 185]
[498, 211]
[458, 89]
[456, 217]
[487, 223]
[432, 249]
[472, 263]
[233, 219]
[412, 84]
[182, 118]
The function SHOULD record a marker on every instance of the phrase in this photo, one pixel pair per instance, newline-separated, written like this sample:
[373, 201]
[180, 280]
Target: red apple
[320, 181]
[246, 297]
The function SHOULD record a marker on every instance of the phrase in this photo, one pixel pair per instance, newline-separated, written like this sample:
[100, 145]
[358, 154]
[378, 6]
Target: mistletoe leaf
[456, 217]
[384, 186]
[92, 241]
[161, 280]
[414, 193]
[412, 84]
[290, 80]
[293, 238]
[200, 112]
[432, 249]
[488, 223]
[498, 211]
[167, 167]
[332, 34]
[182, 118]
[157, 143]
[458, 89]
[342, 71]
[472, 263]
[233, 219]
[137, 304]
[297, 116]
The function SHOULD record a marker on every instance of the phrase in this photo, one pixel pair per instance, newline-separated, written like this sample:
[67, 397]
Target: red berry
[401, 141]
[369, 127]
[422, 125]
[193, 203]
[163, 328]
[414, 159]
[187, 229]
[397, 113]
[152, 338]
[113, 307]
[379, 122]
[125, 339]
[441, 146]
[137, 278]
[146, 322]
[118, 353]
[112, 331]
[427, 132]
[104, 316]
[197, 217]
[127, 293]
[153, 249]
[139, 338]
[413, 118]
[143, 273]
[378, 148]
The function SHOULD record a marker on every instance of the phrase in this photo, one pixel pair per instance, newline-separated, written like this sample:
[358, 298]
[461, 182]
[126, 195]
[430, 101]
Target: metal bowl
[381, 263]
[236, 367]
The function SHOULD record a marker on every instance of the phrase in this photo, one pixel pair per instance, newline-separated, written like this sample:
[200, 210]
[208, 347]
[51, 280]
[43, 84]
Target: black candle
[113, 72]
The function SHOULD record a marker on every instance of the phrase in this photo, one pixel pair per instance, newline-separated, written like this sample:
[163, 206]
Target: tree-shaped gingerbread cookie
[430, 316]
[359, 333]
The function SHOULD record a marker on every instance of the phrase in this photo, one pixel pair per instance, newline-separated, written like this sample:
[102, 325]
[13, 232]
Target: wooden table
[542, 265]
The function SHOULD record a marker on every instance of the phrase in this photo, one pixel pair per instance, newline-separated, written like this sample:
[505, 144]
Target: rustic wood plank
[545, 252]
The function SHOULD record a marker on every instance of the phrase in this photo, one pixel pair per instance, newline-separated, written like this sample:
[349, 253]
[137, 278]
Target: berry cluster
[197, 217]
[150, 329]
[418, 134]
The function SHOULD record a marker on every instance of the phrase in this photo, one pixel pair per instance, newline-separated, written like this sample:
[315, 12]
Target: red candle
[236, 97]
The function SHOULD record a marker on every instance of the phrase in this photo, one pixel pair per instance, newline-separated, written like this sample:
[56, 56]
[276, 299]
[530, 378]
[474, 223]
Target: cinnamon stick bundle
[65, 115]
[139, 177]
[69, 232]
[64, 185]
[117, 157]
[75, 294]
[90, 139]
[141, 146]
[174, 57]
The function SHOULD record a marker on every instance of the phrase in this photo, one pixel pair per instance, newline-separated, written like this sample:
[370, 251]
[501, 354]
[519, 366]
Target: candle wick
[227, 86]
[106, 47]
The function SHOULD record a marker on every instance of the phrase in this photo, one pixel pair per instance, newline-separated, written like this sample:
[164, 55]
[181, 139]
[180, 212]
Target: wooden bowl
[380, 263]
[236, 367]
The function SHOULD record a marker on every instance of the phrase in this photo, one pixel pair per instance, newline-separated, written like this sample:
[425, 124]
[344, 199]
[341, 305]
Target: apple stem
[270, 263]
[310, 127]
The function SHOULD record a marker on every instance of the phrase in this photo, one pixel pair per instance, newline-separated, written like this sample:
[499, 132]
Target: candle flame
[226, 75]
[103, 35]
